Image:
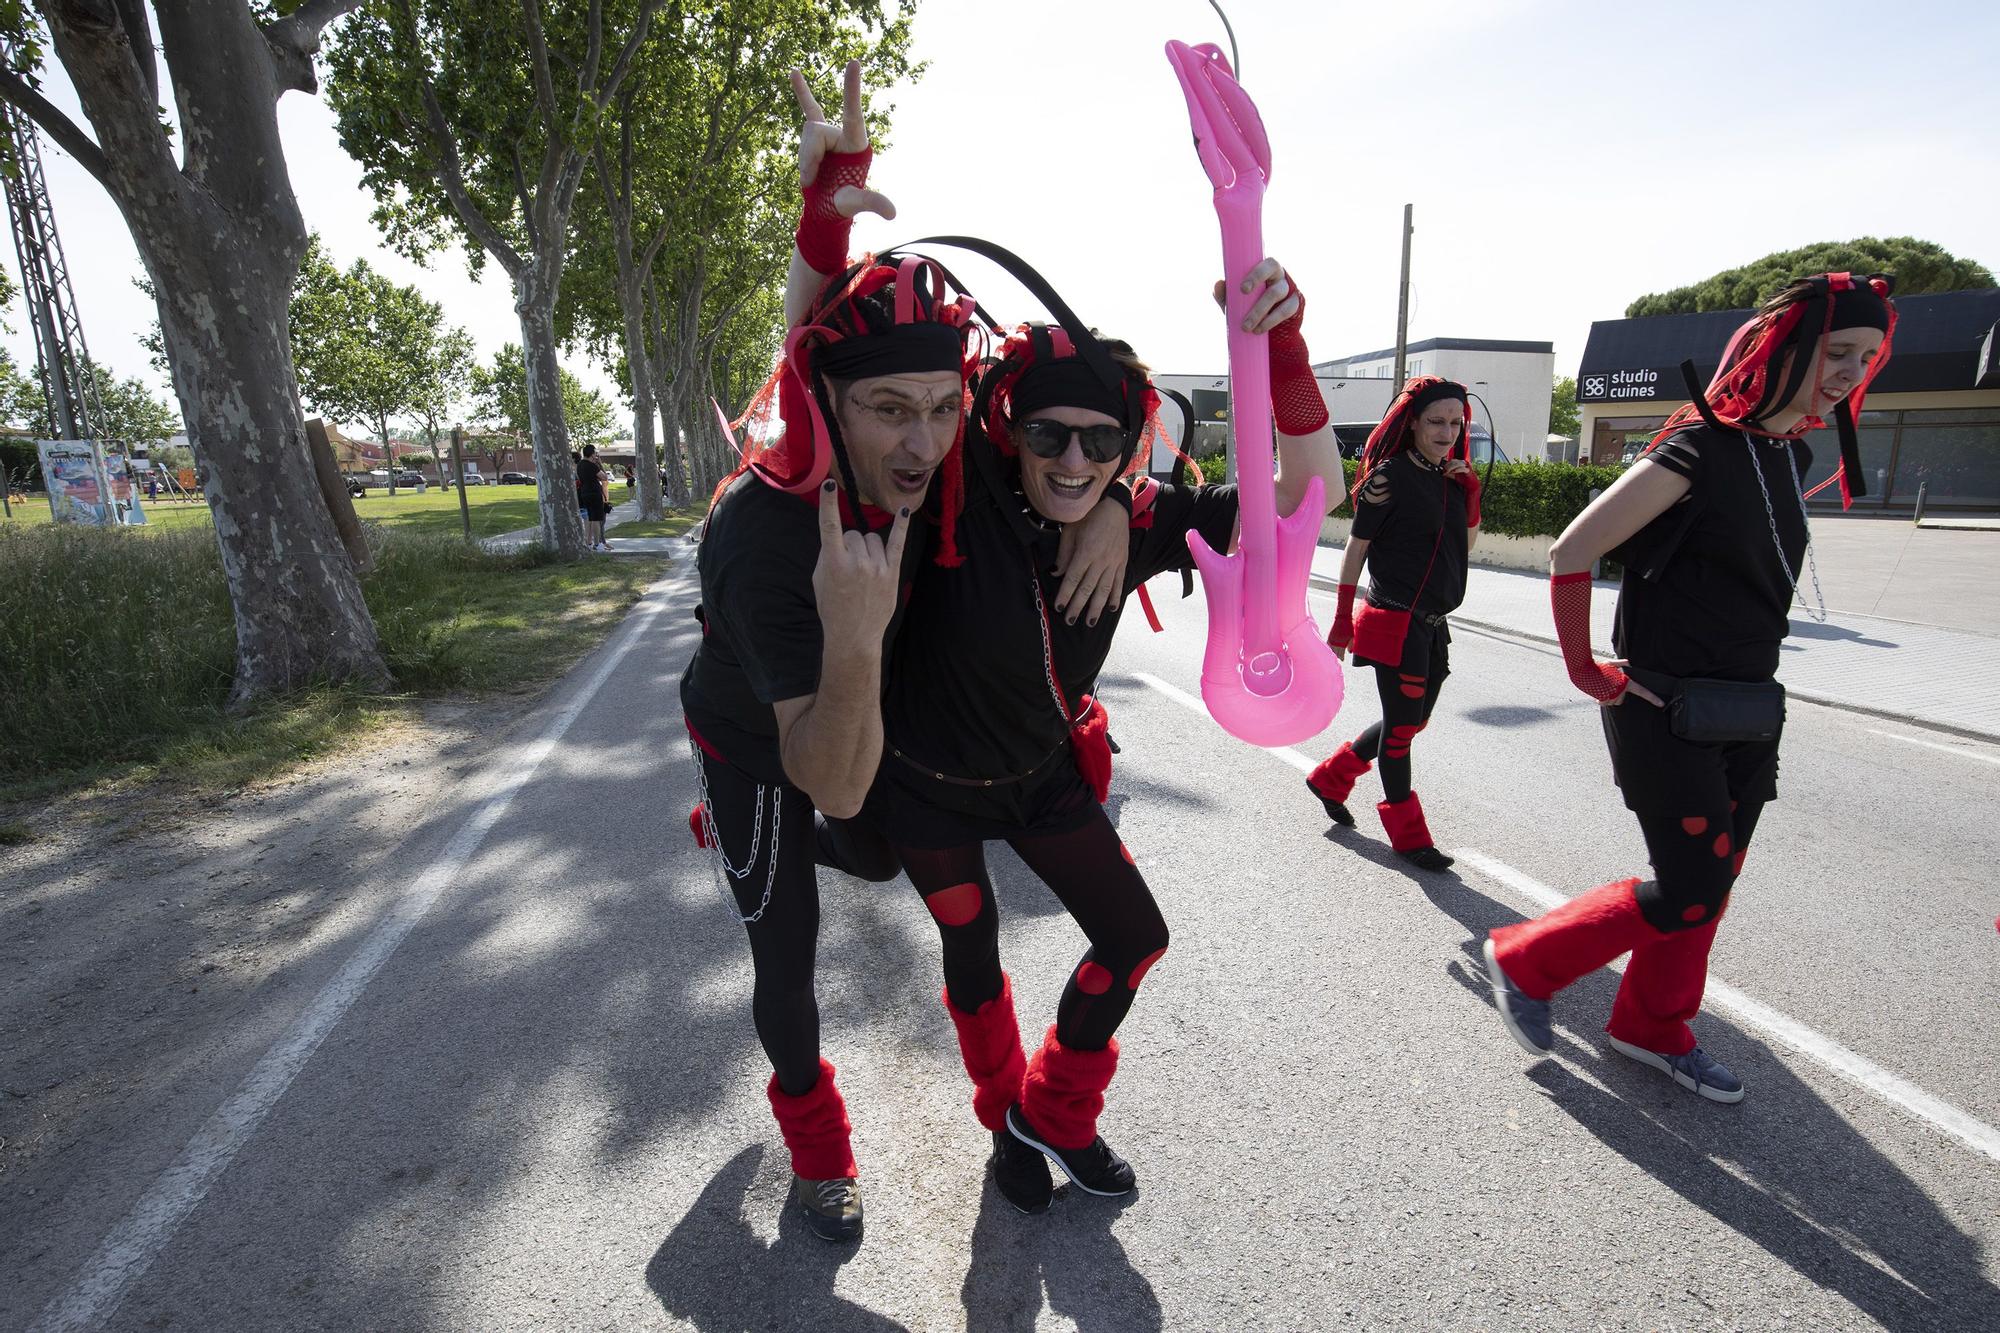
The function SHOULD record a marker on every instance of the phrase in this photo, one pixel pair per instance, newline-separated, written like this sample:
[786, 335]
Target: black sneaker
[831, 1209]
[1335, 810]
[1021, 1174]
[1095, 1169]
[1427, 858]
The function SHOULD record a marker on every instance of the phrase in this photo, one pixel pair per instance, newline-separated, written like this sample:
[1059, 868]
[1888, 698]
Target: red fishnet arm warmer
[1569, 596]
[1297, 406]
[1342, 632]
[1468, 481]
[823, 232]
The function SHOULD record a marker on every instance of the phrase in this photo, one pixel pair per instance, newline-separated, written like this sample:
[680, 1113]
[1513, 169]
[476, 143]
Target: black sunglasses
[1049, 438]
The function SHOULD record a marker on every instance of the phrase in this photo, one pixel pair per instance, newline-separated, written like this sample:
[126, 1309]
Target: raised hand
[820, 138]
[858, 579]
[1277, 303]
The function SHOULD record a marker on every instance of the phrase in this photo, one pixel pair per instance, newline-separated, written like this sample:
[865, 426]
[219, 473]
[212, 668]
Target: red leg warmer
[990, 1042]
[1336, 775]
[1546, 954]
[1662, 990]
[1063, 1093]
[1404, 821]
[815, 1127]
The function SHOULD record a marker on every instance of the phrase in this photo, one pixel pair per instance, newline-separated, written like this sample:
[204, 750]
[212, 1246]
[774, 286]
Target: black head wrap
[1068, 382]
[902, 349]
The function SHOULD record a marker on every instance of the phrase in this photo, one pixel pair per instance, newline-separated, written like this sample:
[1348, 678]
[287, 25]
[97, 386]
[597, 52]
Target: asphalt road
[544, 1107]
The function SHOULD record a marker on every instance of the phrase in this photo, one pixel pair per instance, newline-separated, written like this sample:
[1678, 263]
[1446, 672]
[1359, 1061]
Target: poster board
[89, 483]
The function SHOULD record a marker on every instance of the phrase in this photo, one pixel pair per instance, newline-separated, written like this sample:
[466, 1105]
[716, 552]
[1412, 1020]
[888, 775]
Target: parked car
[516, 479]
[416, 480]
[473, 478]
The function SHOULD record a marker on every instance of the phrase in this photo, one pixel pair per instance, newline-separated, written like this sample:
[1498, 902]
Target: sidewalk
[628, 512]
[1926, 674]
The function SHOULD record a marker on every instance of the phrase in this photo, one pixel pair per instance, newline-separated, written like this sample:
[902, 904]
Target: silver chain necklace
[1777, 542]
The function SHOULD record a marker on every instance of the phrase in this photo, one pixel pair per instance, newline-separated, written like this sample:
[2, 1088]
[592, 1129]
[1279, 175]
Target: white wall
[1519, 388]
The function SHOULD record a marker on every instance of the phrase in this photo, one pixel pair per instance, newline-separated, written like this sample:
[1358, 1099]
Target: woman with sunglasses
[1416, 516]
[1710, 525]
[988, 734]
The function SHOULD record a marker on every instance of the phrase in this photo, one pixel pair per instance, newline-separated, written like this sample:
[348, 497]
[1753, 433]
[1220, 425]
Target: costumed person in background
[806, 558]
[991, 735]
[1710, 525]
[1416, 517]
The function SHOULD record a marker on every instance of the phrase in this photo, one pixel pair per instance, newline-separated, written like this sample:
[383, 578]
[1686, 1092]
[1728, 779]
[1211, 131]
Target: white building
[1516, 380]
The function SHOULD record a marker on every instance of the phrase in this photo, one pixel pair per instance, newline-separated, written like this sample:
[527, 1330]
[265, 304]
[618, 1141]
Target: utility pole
[1403, 306]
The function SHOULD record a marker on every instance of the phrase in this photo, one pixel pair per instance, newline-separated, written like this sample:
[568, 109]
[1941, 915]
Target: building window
[1955, 452]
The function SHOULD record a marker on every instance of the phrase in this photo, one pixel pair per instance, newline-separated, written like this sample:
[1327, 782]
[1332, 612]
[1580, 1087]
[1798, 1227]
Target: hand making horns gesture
[858, 579]
[819, 136]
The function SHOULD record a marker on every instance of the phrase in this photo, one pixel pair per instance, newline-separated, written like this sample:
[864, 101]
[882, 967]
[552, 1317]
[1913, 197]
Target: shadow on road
[1070, 1252]
[1783, 1169]
[1806, 629]
[1508, 715]
[717, 1273]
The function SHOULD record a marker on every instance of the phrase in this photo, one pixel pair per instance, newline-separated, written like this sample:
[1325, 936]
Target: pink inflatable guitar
[1267, 674]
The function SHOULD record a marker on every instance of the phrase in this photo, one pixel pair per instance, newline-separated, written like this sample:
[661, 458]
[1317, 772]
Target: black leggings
[1092, 874]
[1407, 701]
[1697, 852]
[754, 823]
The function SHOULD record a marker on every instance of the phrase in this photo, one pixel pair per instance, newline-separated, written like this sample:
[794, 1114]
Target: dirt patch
[148, 935]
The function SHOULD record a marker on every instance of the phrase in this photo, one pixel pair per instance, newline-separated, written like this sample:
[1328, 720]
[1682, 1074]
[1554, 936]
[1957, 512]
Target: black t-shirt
[968, 693]
[1406, 511]
[1720, 602]
[760, 622]
[587, 472]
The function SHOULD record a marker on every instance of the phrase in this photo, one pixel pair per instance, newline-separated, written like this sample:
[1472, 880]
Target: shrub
[1527, 499]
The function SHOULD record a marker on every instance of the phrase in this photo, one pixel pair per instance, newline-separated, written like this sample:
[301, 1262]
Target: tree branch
[294, 40]
[521, 192]
[139, 32]
[593, 58]
[451, 171]
[624, 64]
[538, 49]
[66, 133]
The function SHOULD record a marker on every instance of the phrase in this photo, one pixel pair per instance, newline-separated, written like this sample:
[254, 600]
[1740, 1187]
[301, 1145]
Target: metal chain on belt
[713, 837]
[1791, 466]
[1048, 653]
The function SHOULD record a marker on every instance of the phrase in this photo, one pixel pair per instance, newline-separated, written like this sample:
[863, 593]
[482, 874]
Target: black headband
[1440, 390]
[906, 349]
[1860, 307]
[1068, 382]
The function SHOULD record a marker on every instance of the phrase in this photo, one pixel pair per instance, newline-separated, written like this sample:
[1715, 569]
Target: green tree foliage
[500, 400]
[22, 405]
[1918, 266]
[368, 348]
[133, 413]
[1563, 416]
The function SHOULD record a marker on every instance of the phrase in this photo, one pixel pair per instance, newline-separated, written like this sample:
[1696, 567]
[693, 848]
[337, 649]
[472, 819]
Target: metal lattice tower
[62, 359]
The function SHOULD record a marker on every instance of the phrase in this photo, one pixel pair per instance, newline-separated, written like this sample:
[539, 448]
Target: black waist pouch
[1712, 711]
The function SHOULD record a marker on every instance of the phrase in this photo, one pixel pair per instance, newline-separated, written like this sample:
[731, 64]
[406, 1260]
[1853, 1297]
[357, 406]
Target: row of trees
[622, 161]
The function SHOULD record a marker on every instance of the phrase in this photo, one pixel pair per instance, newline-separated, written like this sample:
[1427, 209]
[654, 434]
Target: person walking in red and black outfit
[1710, 525]
[991, 735]
[1416, 516]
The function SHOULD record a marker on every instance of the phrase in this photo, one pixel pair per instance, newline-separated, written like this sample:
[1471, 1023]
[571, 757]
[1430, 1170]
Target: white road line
[1939, 745]
[1892, 1088]
[129, 1250]
[1186, 700]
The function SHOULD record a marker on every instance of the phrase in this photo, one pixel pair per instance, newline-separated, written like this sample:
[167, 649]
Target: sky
[1562, 158]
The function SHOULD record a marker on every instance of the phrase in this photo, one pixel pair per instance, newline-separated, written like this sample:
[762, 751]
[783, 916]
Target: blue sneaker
[1527, 1020]
[1697, 1071]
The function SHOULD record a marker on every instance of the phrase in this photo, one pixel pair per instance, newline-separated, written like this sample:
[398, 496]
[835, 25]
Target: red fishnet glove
[823, 232]
[1468, 481]
[1297, 407]
[1569, 596]
[1342, 633]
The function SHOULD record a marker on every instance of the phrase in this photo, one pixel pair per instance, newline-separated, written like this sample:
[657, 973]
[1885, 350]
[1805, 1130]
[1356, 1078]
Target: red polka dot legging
[1091, 873]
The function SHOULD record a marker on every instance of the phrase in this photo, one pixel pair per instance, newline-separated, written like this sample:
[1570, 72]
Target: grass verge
[492, 509]
[118, 653]
[674, 524]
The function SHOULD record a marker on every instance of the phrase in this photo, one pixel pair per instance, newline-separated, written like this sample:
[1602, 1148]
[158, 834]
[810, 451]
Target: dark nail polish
[828, 487]
[904, 512]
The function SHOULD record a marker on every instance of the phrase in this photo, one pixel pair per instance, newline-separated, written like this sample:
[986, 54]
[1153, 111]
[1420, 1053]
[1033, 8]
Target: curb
[1325, 584]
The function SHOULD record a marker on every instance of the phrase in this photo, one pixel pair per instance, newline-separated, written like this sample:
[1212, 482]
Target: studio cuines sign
[1603, 386]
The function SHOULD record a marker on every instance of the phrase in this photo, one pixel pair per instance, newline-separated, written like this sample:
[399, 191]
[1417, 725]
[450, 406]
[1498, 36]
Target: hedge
[1520, 499]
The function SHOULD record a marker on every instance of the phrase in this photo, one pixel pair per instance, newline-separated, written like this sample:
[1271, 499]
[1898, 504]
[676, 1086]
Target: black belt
[933, 774]
[1430, 620]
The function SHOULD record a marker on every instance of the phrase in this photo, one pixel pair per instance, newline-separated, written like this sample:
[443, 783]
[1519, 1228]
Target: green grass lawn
[494, 510]
[120, 654]
[674, 524]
